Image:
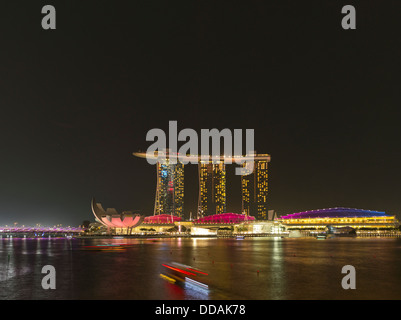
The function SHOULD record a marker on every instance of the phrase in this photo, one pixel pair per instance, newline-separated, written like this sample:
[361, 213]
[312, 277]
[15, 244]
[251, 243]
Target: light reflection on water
[258, 268]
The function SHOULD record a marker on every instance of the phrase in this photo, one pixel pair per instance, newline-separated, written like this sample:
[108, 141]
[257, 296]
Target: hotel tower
[169, 189]
[212, 188]
[255, 187]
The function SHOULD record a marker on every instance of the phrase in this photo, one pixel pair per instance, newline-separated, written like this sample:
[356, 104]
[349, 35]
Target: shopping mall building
[358, 219]
[339, 217]
[129, 223]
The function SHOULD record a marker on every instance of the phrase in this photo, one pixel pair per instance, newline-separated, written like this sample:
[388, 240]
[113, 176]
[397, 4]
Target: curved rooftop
[225, 218]
[338, 212]
[161, 218]
[112, 219]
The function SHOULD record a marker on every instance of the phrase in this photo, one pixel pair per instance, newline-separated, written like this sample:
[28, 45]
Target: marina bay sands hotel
[212, 187]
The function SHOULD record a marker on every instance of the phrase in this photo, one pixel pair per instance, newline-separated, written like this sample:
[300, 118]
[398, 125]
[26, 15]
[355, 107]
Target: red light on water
[197, 271]
[179, 270]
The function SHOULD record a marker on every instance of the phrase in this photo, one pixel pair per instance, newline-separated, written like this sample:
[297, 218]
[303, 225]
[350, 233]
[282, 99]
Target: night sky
[77, 101]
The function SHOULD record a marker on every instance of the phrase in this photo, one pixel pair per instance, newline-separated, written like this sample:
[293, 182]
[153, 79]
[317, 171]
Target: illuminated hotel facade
[212, 188]
[169, 189]
[212, 197]
[254, 187]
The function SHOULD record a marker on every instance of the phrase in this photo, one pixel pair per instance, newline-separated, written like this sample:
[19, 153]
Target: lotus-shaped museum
[112, 219]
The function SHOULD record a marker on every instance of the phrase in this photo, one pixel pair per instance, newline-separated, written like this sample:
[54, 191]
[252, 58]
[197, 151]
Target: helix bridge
[42, 231]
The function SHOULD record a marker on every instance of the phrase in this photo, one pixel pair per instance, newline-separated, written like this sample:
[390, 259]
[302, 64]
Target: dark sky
[77, 101]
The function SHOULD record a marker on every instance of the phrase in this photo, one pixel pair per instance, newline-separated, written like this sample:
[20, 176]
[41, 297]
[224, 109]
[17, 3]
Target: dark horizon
[78, 101]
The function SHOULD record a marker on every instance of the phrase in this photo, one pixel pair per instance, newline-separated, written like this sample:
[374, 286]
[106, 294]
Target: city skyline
[200, 158]
[322, 100]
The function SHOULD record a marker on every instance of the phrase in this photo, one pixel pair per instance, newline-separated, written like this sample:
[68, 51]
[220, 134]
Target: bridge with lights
[37, 232]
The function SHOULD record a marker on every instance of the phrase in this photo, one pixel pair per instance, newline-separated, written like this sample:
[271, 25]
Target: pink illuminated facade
[111, 219]
[121, 222]
[161, 219]
[224, 218]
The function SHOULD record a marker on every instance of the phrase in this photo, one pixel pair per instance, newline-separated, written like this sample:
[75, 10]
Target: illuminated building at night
[161, 219]
[255, 188]
[224, 218]
[169, 198]
[169, 189]
[212, 197]
[212, 189]
[110, 218]
[339, 217]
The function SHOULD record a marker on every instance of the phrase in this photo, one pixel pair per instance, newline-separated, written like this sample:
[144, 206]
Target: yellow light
[167, 278]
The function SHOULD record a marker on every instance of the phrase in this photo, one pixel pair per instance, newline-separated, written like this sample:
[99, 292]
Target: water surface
[288, 268]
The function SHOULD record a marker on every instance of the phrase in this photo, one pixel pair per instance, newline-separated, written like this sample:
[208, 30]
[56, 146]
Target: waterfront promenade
[360, 234]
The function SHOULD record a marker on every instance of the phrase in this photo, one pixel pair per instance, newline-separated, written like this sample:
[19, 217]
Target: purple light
[225, 218]
[334, 213]
[40, 229]
[161, 218]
